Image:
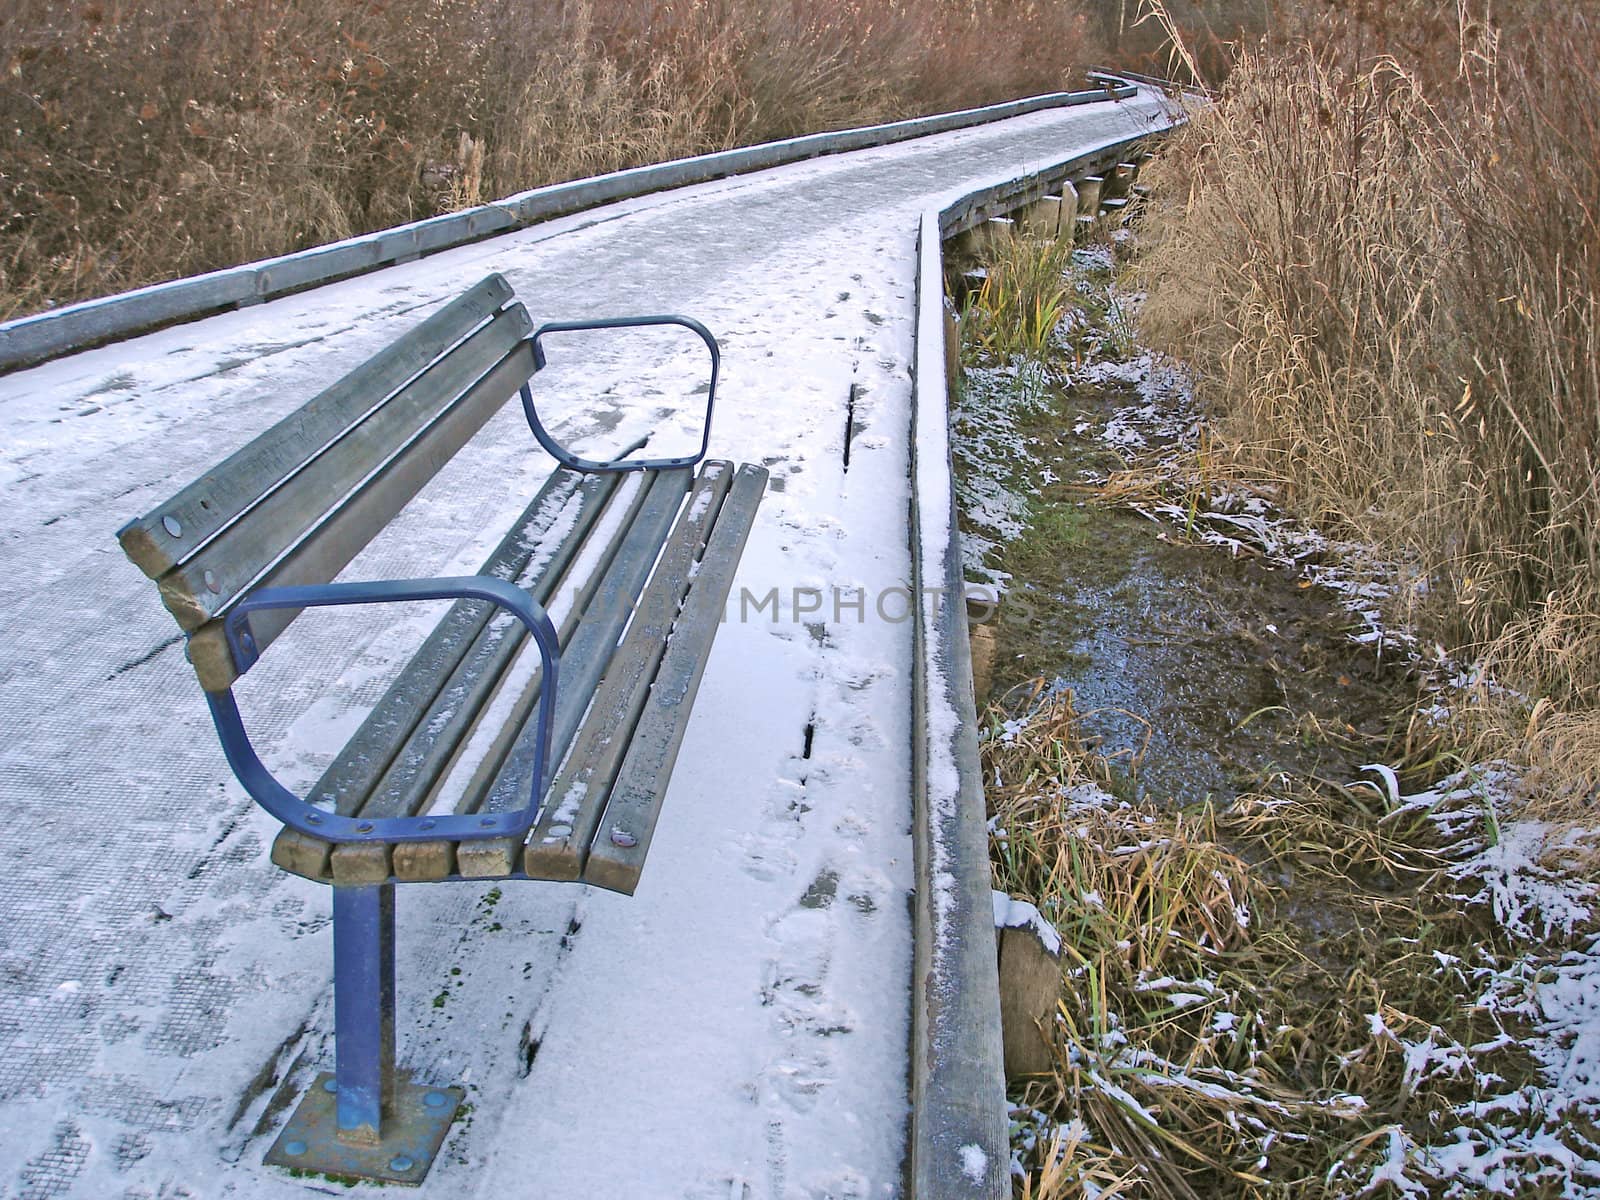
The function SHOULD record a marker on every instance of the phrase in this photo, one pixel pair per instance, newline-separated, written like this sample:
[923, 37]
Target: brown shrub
[168, 137]
[1381, 252]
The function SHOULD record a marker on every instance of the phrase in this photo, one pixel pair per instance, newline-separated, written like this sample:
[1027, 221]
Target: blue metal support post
[363, 1008]
[365, 1120]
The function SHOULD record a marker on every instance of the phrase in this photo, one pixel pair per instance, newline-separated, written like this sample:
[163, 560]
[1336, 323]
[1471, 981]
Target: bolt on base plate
[412, 1134]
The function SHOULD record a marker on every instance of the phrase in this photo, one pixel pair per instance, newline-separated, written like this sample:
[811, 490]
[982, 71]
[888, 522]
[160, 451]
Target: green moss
[1055, 529]
[348, 1181]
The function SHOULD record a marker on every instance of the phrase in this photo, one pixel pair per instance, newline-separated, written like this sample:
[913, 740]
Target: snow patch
[1019, 914]
[974, 1162]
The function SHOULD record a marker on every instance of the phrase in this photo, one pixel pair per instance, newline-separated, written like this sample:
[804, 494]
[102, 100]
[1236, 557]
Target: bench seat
[633, 644]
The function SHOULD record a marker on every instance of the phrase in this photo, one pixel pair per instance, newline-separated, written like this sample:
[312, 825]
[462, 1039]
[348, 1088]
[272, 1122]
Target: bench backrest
[296, 504]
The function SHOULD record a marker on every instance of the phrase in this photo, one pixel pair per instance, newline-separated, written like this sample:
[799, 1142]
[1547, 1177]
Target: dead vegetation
[1255, 1000]
[154, 140]
[1381, 253]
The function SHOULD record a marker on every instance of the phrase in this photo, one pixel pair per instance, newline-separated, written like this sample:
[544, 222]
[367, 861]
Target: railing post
[363, 1008]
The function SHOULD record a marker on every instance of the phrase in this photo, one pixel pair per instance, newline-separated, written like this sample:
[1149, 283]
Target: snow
[1510, 1141]
[732, 1036]
[1519, 868]
[1020, 914]
[1528, 876]
[974, 1163]
[1392, 1171]
[1568, 1013]
[988, 449]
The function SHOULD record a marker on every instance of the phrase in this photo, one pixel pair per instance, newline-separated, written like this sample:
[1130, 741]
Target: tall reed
[1381, 253]
[166, 137]
[1015, 310]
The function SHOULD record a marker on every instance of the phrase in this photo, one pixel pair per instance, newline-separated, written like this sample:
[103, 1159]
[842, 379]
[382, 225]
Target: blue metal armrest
[566, 457]
[320, 823]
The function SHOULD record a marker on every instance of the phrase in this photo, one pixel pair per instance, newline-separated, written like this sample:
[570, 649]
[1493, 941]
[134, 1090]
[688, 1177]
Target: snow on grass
[1522, 870]
[1539, 980]
[1510, 1141]
[1524, 873]
[997, 468]
[999, 465]
[1158, 435]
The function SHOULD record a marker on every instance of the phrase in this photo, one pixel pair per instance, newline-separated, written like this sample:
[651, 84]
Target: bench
[532, 734]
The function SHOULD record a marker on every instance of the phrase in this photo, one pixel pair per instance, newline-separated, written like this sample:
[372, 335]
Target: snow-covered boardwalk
[740, 1028]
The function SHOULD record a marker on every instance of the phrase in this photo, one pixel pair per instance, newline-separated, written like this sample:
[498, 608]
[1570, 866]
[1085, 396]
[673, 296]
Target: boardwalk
[739, 1028]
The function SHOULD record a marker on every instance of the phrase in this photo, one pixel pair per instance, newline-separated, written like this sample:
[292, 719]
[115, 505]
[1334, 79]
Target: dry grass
[1023, 297]
[1381, 252]
[1238, 988]
[153, 140]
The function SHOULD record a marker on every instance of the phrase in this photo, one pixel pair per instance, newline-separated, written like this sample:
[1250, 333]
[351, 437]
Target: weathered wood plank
[302, 855]
[47, 335]
[420, 861]
[361, 864]
[436, 742]
[203, 586]
[558, 845]
[1089, 194]
[1117, 181]
[173, 531]
[325, 551]
[351, 777]
[587, 571]
[618, 851]
[433, 747]
[1030, 990]
[583, 661]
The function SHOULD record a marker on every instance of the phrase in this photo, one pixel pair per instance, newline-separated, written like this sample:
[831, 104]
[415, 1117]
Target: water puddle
[1200, 673]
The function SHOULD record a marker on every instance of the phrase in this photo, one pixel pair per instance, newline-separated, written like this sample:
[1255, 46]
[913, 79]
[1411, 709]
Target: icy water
[1200, 673]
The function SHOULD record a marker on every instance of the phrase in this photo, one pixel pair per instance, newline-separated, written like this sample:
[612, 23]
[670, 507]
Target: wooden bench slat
[427, 757]
[435, 859]
[455, 712]
[374, 862]
[355, 774]
[558, 845]
[592, 647]
[617, 853]
[583, 661]
[302, 855]
[607, 578]
[325, 550]
[223, 493]
[348, 781]
[206, 584]
[480, 680]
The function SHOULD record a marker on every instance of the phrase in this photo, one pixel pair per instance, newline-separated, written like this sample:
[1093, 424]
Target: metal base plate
[412, 1135]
